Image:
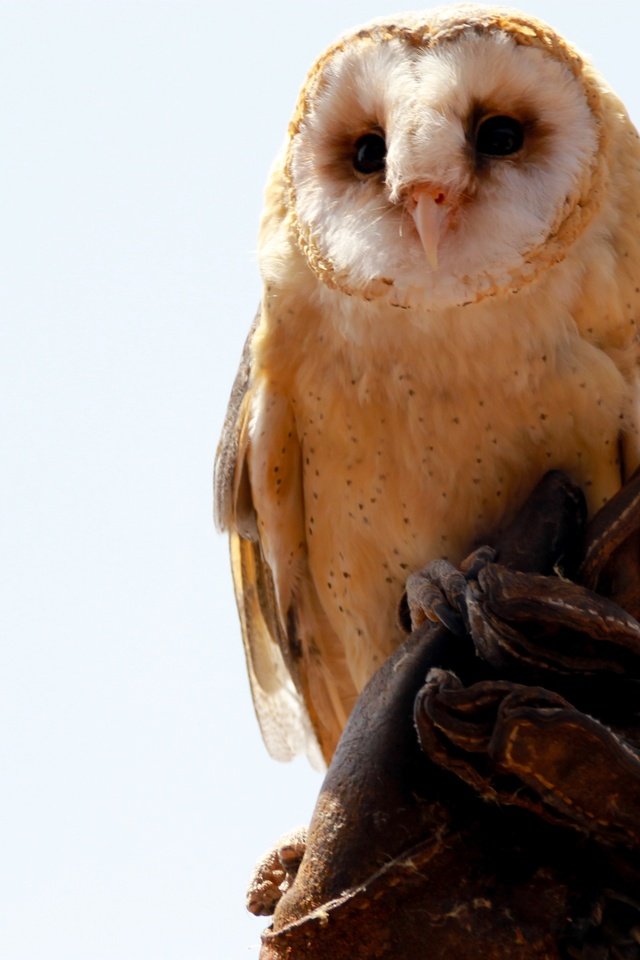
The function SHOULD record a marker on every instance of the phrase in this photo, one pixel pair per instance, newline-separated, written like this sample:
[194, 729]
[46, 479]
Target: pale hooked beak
[429, 208]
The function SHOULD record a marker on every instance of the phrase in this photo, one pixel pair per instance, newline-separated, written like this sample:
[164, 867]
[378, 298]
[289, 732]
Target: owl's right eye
[369, 153]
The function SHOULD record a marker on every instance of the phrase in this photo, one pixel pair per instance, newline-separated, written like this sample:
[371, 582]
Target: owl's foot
[438, 591]
[275, 873]
[524, 618]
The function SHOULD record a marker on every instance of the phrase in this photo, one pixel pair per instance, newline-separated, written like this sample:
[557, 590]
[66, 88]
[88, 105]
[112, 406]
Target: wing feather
[282, 716]
[232, 507]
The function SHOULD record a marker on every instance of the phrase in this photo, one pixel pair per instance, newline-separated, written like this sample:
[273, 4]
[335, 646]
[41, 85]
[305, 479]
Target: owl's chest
[410, 460]
[423, 450]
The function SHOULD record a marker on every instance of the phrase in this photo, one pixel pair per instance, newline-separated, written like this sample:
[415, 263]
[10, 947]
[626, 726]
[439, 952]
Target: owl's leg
[275, 873]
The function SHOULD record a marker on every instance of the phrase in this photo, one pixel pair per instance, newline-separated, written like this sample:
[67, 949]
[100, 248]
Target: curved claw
[438, 593]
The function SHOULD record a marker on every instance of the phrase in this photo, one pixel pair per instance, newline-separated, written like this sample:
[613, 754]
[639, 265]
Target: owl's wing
[282, 716]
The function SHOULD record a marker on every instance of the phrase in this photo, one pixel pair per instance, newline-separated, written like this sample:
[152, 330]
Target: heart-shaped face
[432, 161]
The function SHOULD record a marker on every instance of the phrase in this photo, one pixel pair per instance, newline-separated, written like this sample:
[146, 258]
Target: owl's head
[437, 160]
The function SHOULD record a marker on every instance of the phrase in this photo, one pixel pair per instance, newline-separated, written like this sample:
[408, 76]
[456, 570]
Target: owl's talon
[438, 593]
[423, 596]
[450, 618]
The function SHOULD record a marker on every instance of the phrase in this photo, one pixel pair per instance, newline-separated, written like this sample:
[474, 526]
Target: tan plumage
[435, 333]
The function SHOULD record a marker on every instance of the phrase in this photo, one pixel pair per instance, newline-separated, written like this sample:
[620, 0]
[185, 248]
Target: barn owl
[450, 256]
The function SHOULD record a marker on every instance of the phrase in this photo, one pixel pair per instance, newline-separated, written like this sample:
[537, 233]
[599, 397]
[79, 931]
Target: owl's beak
[428, 206]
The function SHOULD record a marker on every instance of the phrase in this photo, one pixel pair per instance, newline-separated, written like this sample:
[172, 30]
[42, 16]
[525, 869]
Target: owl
[450, 254]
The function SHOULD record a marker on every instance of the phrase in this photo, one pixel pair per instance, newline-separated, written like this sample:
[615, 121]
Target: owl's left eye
[369, 153]
[499, 136]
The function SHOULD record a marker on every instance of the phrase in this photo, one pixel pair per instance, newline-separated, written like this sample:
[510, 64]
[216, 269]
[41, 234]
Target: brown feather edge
[225, 482]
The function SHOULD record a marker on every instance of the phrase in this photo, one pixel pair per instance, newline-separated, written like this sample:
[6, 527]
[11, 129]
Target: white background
[135, 138]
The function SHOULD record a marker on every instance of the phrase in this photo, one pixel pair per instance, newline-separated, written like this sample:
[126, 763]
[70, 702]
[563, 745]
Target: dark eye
[369, 153]
[499, 136]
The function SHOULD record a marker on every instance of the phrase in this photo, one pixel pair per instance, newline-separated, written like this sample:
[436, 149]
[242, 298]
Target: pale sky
[136, 139]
